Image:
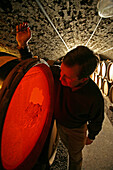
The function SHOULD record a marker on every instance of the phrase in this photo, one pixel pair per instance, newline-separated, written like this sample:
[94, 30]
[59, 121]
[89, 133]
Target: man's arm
[23, 35]
[96, 118]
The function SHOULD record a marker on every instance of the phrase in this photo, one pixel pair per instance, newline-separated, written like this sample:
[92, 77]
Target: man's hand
[23, 35]
[88, 141]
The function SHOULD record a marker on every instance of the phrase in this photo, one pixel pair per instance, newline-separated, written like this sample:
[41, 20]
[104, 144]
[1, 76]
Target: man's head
[77, 66]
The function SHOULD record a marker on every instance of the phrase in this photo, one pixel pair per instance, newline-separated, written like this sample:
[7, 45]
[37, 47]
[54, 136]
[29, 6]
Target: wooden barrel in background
[105, 87]
[110, 72]
[103, 77]
[103, 69]
[99, 81]
[111, 94]
[95, 78]
[92, 76]
[7, 63]
[97, 70]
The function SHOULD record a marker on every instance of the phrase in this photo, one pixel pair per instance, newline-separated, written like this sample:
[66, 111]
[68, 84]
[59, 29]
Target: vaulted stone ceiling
[75, 21]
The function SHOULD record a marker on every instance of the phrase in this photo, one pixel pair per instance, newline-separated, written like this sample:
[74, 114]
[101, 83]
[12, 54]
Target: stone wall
[74, 20]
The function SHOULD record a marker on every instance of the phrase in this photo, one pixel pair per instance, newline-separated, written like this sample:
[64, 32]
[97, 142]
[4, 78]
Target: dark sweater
[75, 108]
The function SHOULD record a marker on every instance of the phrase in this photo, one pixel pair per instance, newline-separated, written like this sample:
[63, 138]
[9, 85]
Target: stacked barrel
[103, 77]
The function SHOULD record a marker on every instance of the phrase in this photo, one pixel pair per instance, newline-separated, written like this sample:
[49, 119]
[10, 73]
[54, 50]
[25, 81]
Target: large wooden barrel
[26, 108]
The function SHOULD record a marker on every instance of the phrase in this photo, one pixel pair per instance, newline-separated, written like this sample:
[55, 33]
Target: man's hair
[84, 57]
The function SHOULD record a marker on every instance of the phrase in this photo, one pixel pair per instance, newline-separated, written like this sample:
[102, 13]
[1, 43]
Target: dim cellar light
[105, 8]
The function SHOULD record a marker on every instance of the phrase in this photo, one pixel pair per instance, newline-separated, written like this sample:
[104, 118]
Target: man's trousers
[74, 140]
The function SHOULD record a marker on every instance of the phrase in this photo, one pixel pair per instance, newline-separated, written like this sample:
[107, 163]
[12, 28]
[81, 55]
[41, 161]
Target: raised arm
[23, 35]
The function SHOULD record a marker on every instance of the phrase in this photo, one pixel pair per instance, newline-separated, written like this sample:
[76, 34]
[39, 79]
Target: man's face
[69, 75]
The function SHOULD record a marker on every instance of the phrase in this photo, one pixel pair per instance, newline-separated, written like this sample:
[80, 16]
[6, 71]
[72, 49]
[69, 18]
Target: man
[79, 104]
